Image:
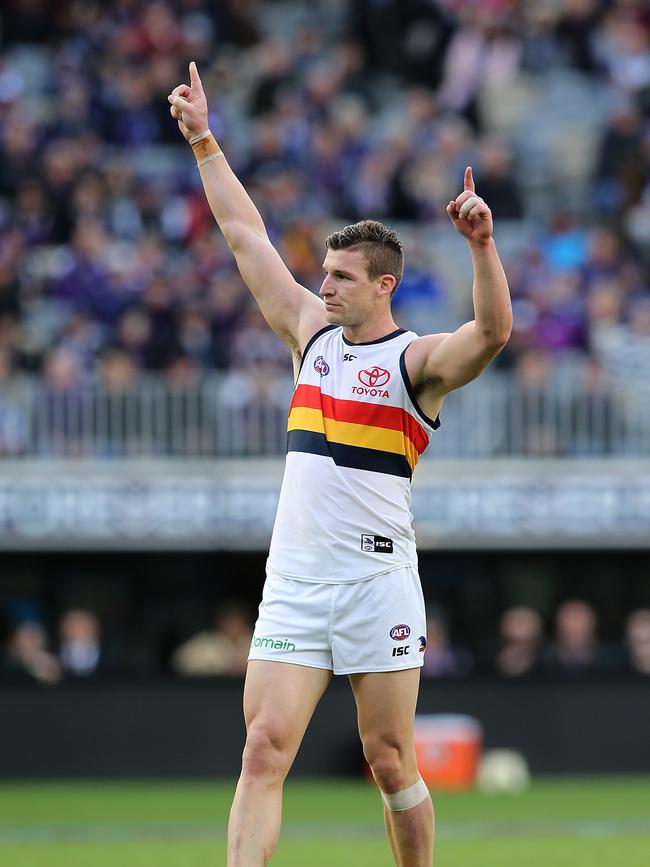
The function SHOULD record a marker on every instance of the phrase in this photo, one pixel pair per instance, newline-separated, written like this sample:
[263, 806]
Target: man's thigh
[280, 698]
[386, 702]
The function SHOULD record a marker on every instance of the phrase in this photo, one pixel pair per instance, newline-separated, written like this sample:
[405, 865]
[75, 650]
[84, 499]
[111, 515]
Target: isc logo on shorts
[400, 632]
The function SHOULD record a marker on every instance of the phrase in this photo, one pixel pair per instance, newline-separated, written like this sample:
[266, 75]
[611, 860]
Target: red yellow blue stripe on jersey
[366, 436]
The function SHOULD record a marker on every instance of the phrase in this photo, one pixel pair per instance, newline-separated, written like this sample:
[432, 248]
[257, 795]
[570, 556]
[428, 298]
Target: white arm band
[200, 136]
[208, 159]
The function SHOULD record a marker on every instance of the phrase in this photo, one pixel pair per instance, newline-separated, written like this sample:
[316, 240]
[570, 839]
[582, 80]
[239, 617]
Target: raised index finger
[195, 79]
[468, 181]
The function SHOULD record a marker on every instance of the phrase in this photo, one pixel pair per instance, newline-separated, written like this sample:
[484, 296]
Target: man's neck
[367, 332]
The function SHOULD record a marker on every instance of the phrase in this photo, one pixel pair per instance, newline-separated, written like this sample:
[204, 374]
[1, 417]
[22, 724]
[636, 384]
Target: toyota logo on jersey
[374, 376]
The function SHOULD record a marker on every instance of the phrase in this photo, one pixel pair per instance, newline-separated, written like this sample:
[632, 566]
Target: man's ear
[387, 284]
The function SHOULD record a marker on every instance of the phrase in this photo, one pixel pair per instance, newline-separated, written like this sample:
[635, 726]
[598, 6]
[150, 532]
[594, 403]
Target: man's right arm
[292, 311]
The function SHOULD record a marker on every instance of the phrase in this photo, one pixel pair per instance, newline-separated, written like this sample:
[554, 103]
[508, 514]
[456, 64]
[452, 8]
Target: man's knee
[392, 764]
[266, 755]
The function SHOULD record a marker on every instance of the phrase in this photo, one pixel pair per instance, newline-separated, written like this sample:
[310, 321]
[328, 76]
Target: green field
[558, 823]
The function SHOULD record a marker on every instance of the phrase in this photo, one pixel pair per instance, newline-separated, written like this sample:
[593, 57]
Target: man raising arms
[342, 593]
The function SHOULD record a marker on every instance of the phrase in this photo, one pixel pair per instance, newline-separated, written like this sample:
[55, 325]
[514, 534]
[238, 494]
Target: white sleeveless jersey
[355, 433]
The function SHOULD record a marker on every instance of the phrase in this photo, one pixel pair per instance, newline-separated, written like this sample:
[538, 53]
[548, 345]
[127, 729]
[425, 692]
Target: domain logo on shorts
[273, 643]
[400, 632]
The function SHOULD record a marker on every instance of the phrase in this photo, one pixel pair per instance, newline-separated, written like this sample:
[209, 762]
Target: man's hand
[469, 213]
[189, 106]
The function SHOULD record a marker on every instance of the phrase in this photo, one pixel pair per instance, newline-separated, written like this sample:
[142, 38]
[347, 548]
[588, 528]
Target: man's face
[349, 294]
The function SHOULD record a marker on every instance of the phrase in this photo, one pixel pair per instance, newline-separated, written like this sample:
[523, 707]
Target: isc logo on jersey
[372, 379]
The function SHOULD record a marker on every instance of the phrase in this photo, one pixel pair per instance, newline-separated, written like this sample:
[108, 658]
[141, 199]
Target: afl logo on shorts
[374, 377]
[400, 632]
[321, 366]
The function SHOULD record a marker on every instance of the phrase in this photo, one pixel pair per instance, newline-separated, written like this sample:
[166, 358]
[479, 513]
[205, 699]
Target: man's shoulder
[423, 345]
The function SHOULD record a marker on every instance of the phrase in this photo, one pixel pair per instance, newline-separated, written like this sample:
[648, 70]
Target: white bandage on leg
[407, 798]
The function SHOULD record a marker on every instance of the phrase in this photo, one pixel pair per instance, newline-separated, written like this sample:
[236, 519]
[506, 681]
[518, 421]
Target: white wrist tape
[407, 798]
[208, 159]
[200, 136]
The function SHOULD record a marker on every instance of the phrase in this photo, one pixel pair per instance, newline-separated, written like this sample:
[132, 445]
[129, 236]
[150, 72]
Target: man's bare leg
[279, 700]
[386, 709]
[411, 834]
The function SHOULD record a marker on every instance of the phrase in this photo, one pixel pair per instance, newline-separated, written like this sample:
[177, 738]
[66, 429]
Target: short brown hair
[381, 247]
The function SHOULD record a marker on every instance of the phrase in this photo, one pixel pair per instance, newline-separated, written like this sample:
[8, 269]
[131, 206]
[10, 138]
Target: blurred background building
[143, 399]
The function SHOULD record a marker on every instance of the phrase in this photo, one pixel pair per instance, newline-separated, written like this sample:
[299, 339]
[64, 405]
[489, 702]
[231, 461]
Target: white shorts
[374, 625]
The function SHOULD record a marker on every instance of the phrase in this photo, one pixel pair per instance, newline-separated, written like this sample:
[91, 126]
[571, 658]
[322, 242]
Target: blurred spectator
[14, 408]
[526, 432]
[221, 650]
[575, 28]
[624, 348]
[623, 46]
[521, 633]
[441, 658]
[484, 52]
[27, 653]
[419, 303]
[58, 407]
[80, 649]
[619, 170]
[592, 412]
[27, 21]
[637, 640]
[565, 243]
[499, 184]
[576, 648]
[118, 372]
[406, 37]
[275, 69]
[255, 347]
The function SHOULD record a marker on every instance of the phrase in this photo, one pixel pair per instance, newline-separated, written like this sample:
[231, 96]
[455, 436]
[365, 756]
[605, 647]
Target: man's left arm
[446, 362]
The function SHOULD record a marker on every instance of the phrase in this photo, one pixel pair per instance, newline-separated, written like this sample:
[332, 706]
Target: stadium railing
[241, 414]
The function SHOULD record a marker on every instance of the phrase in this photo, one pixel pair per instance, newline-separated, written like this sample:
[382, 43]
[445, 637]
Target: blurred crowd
[521, 646]
[110, 264]
[524, 647]
[81, 648]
